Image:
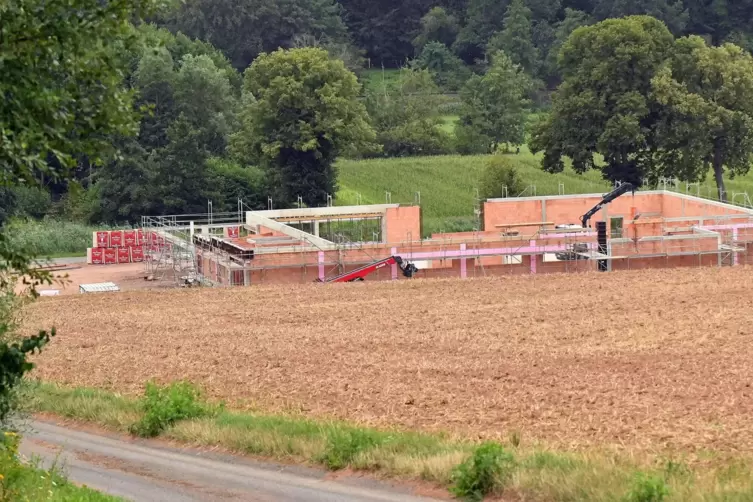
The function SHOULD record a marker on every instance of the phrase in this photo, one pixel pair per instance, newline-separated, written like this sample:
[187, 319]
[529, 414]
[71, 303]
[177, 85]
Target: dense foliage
[174, 125]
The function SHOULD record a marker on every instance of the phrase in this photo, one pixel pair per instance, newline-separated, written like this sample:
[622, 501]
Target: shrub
[647, 489]
[499, 176]
[165, 405]
[468, 141]
[344, 445]
[50, 237]
[486, 472]
[422, 137]
[446, 68]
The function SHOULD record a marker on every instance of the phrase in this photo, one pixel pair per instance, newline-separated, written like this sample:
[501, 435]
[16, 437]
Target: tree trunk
[719, 174]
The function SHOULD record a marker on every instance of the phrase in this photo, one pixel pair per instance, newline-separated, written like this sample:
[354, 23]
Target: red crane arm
[359, 274]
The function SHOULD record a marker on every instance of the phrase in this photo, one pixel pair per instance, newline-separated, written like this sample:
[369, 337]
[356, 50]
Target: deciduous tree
[708, 114]
[605, 103]
[302, 110]
[495, 104]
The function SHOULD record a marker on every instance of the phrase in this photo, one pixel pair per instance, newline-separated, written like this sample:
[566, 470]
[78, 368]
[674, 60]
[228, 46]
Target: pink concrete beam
[466, 253]
[321, 265]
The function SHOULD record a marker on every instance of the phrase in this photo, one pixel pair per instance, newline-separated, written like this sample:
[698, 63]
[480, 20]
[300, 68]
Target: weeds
[50, 238]
[487, 471]
[163, 406]
[344, 445]
[647, 489]
[179, 412]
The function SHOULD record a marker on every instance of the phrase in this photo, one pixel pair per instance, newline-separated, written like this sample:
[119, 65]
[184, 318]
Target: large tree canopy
[244, 29]
[708, 114]
[302, 110]
[604, 105]
[61, 78]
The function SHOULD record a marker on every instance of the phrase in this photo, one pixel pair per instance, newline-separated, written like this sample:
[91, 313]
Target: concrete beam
[323, 211]
[256, 219]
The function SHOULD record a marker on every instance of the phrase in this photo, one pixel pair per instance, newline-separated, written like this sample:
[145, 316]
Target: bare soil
[648, 359]
[128, 277]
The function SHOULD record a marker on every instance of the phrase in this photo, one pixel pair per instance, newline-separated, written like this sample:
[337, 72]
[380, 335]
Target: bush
[446, 68]
[500, 179]
[486, 472]
[344, 445]
[165, 405]
[50, 237]
[422, 137]
[468, 141]
[647, 489]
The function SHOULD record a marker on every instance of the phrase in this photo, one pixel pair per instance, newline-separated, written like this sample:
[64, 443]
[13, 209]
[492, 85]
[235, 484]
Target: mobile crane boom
[620, 190]
[359, 274]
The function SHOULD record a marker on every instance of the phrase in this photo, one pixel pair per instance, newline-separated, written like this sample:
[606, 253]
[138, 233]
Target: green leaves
[604, 104]
[62, 84]
[495, 105]
[304, 112]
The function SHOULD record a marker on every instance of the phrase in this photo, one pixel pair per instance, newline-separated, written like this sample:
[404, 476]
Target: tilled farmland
[647, 359]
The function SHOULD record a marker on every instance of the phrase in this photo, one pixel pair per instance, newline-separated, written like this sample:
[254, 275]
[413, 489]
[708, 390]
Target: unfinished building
[527, 235]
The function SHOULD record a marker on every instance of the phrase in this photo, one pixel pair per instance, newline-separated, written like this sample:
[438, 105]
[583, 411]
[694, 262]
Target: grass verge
[27, 481]
[468, 469]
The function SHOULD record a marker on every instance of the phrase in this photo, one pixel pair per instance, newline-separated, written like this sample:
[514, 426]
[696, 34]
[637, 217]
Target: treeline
[207, 131]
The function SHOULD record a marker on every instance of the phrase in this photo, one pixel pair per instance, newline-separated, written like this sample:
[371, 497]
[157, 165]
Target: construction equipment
[408, 269]
[620, 190]
[580, 250]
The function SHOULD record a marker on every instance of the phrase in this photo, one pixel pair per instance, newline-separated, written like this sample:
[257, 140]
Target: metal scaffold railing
[170, 252]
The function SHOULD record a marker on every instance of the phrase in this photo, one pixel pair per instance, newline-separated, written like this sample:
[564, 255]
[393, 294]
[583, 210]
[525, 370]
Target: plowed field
[642, 359]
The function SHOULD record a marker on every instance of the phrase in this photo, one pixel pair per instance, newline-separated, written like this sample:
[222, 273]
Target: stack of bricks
[120, 246]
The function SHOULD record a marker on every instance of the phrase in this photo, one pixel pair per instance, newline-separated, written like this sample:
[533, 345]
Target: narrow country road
[145, 471]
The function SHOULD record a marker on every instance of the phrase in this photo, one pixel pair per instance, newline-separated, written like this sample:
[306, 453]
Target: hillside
[448, 185]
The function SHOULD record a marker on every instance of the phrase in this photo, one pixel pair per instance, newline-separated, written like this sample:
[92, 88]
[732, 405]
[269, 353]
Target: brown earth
[128, 277]
[650, 359]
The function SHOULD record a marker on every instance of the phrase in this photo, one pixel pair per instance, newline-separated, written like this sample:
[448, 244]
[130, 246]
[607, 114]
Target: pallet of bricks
[111, 247]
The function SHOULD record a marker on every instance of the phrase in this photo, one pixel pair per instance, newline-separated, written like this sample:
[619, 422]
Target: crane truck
[579, 251]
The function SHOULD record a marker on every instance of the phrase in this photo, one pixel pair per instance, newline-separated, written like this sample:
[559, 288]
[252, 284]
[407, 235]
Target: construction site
[622, 230]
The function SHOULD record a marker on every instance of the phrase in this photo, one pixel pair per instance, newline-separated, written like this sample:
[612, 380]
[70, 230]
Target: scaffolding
[170, 250]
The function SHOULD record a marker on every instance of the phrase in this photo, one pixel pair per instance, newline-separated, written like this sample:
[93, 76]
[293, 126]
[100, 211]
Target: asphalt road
[145, 471]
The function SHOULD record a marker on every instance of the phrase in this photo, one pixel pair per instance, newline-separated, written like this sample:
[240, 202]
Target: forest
[253, 99]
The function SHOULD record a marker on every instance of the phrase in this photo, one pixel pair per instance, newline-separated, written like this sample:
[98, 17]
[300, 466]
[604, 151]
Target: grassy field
[376, 78]
[447, 185]
[51, 238]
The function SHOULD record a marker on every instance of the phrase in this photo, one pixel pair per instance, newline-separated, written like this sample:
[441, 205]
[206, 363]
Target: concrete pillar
[246, 277]
[543, 210]
[191, 230]
[463, 264]
[316, 228]
[534, 259]
[321, 265]
[393, 251]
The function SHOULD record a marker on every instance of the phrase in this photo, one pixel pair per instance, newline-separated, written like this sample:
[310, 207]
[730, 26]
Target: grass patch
[51, 238]
[447, 185]
[26, 481]
[469, 469]
[486, 472]
[163, 406]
